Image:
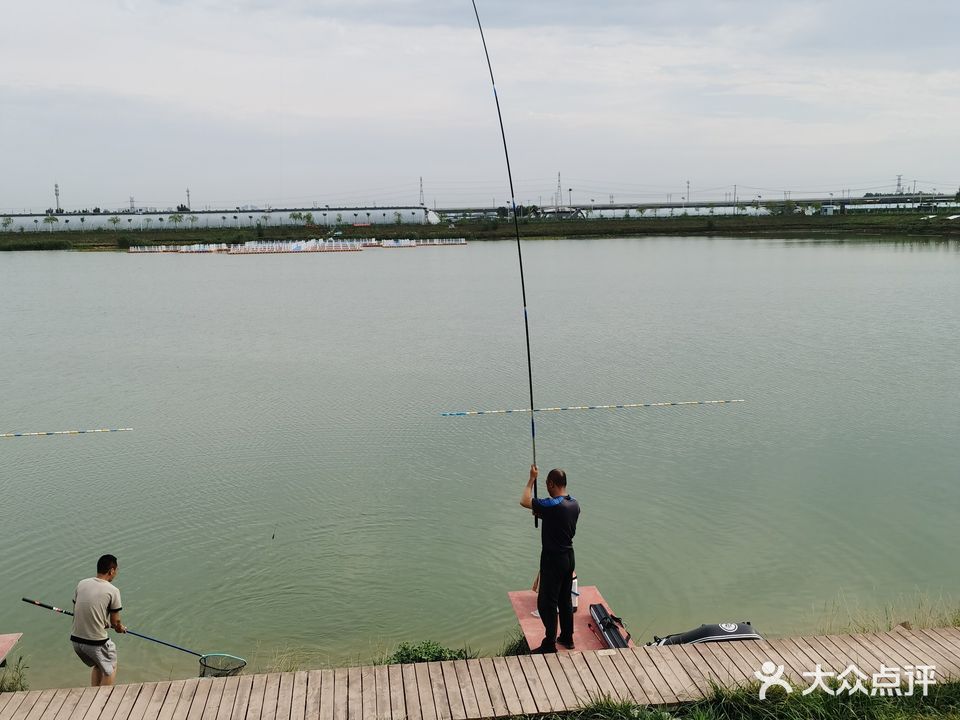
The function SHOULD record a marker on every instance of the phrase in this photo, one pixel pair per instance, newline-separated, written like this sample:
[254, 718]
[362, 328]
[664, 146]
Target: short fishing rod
[129, 632]
[516, 227]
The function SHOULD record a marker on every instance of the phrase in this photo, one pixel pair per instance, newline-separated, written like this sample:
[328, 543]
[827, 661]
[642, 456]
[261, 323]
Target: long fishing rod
[516, 227]
[129, 632]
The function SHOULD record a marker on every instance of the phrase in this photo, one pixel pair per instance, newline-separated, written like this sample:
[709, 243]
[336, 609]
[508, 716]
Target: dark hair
[558, 477]
[106, 563]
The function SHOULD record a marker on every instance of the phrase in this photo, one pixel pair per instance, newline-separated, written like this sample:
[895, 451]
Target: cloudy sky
[288, 103]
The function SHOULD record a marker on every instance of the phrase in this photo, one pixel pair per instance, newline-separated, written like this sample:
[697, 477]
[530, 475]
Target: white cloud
[379, 92]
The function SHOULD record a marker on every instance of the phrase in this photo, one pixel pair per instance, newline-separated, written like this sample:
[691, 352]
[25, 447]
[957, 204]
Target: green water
[301, 395]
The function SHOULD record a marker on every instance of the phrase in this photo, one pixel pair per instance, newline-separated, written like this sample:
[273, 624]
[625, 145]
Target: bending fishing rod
[516, 227]
[129, 632]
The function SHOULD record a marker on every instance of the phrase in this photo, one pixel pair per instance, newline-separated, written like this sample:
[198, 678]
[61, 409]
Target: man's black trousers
[554, 599]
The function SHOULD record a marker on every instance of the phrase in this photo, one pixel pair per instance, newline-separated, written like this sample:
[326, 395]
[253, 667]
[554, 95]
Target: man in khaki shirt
[96, 607]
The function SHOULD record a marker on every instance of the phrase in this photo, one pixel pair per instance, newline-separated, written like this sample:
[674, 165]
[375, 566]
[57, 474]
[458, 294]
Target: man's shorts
[101, 656]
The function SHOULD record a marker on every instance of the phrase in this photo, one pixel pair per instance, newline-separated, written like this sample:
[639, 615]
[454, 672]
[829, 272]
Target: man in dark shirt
[559, 513]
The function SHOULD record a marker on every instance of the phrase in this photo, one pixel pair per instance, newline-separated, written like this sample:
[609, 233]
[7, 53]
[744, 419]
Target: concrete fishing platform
[524, 604]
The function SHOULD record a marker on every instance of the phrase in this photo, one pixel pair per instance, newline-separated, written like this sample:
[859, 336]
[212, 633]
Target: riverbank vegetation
[836, 227]
[13, 678]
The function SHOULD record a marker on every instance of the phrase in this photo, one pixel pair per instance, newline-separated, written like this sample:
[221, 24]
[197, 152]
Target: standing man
[559, 513]
[96, 607]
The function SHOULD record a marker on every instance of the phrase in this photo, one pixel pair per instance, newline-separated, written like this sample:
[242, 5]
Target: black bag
[609, 628]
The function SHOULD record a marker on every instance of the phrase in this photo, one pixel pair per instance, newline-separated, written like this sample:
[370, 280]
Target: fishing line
[622, 406]
[63, 432]
[516, 227]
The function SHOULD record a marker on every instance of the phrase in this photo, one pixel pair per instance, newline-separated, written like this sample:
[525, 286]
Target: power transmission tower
[559, 191]
[56, 191]
[188, 199]
[899, 186]
[132, 204]
[421, 191]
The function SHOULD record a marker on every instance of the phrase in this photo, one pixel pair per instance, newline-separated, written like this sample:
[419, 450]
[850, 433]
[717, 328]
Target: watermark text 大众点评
[889, 681]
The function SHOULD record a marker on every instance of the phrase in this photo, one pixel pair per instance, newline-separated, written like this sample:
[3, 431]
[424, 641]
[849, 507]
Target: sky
[296, 103]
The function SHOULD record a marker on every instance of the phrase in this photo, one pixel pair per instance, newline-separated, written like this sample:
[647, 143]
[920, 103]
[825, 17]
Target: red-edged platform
[525, 605]
[7, 642]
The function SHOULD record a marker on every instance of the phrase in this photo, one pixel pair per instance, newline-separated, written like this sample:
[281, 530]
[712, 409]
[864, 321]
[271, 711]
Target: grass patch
[918, 611]
[515, 644]
[13, 679]
[942, 703]
[425, 651]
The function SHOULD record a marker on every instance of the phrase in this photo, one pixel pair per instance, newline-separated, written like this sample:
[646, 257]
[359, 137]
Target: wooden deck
[491, 687]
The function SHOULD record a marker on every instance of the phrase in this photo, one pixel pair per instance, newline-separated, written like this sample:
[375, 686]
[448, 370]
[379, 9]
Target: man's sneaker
[568, 644]
[544, 649]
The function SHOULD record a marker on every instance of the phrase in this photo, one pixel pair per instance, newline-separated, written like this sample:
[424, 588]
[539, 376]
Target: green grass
[13, 678]
[918, 610]
[943, 702]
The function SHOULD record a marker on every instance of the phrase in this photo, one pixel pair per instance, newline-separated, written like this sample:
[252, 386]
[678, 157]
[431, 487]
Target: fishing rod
[623, 406]
[516, 227]
[129, 632]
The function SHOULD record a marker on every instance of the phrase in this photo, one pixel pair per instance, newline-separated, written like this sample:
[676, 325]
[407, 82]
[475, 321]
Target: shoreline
[839, 228]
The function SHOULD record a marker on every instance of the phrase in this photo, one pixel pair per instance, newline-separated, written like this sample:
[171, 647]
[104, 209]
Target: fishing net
[221, 665]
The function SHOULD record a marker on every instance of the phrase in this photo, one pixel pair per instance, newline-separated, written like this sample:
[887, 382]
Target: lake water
[301, 396]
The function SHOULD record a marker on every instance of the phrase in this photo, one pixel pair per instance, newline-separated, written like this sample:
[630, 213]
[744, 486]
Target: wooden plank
[630, 682]
[242, 702]
[547, 683]
[480, 691]
[9, 702]
[720, 667]
[160, 699]
[341, 694]
[311, 710]
[697, 671]
[35, 709]
[847, 652]
[467, 694]
[585, 674]
[893, 650]
[777, 656]
[18, 700]
[491, 681]
[834, 663]
[368, 692]
[398, 709]
[298, 703]
[228, 699]
[577, 689]
[920, 652]
[326, 694]
[673, 673]
[97, 704]
[170, 701]
[197, 703]
[70, 703]
[56, 702]
[381, 679]
[212, 702]
[528, 672]
[946, 642]
[519, 682]
[564, 691]
[661, 688]
[643, 679]
[878, 657]
[143, 699]
[439, 692]
[129, 701]
[750, 662]
[605, 658]
[257, 692]
[354, 694]
[606, 685]
[271, 696]
[428, 707]
[411, 696]
[730, 654]
[452, 687]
